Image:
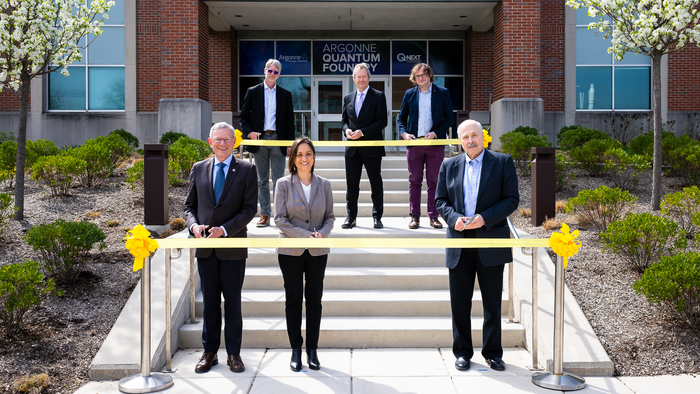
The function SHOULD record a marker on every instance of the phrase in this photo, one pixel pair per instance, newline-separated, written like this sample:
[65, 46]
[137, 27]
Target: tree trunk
[25, 80]
[656, 172]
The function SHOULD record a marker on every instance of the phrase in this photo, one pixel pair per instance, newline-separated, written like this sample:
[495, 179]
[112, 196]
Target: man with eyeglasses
[426, 112]
[221, 201]
[267, 114]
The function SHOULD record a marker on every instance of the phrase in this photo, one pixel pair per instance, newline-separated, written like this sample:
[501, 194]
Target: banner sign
[340, 57]
[295, 57]
[405, 55]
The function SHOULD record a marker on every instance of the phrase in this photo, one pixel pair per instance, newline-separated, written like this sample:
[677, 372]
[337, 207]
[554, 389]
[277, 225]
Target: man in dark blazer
[221, 201]
[475, 194]
[426, 112]
[268, 114]
[364, 119]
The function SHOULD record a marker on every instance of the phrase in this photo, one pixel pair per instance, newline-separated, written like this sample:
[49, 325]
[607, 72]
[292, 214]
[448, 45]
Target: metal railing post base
[145, 384]
[564, 382]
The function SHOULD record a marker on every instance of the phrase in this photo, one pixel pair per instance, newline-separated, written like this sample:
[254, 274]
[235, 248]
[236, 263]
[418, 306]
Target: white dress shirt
[472, 177]
[270, 108]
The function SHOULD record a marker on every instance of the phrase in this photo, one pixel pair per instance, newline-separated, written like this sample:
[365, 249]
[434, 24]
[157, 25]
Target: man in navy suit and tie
[426, 112]
[475, 194]
[267, 114]
[364, 119]
[221, 201]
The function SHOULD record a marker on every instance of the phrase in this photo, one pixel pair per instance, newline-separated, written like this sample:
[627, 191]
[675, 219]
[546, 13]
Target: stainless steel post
[168, 312]
[145, 382]
[510, 292]
[558, 380]
[535, 314]
[192, 320]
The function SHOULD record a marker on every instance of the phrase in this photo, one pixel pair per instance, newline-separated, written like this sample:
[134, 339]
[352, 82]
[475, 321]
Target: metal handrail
[535, 329]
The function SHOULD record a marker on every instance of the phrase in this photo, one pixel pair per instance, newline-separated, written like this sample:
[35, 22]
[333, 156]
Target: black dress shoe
[312, 357]
[208, 360]
[496, 364]
[295, 364]
[462, 363]
[378, 223]
[235, 363]
[349, 223]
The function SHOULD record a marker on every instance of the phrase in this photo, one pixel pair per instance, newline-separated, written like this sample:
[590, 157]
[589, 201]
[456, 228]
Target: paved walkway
[383, 371]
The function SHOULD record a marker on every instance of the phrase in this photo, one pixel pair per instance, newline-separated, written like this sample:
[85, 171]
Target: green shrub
[527, 130]
[117, 147]
[64, 246]
[574, 136]
[8, 161]
[7, 211]
[22, 286]
[57, 172]
[519, 145]
[129, 138]
[681, 207]
[134, 175]
[39, 148]
[7, 137]
[562, 171]
[685, 161]
[183, 154]
[625, 169]
[170, 137]
[34, 384]
[644, 144]
[600, 206]
[674, 281]
[591, 155]
[641, 238]
[99, 159]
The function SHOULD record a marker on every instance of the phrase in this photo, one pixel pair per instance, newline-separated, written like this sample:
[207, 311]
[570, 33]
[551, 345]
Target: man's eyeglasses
[419, 76]
[272, 72]
[224, 140]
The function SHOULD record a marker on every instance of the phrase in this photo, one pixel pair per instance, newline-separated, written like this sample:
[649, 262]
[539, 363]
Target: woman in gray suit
[304, 208]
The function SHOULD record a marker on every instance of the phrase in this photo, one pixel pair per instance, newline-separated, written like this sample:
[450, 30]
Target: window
[96, 83]
[603, 83]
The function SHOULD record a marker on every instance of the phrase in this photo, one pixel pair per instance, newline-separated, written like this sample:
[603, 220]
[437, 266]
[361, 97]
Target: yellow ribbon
[422, 142]
[487, 138]
[564, 244]
[140, 245]
[239, 138]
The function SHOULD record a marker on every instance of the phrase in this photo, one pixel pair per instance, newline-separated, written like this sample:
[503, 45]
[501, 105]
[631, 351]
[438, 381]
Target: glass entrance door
[327, 111]
[383, 84]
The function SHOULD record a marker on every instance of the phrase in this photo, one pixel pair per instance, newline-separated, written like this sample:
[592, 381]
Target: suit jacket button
[307, 221]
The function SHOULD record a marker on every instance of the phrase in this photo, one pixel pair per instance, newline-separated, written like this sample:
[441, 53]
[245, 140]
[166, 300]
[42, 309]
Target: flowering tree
[652, 28]
[38, 37]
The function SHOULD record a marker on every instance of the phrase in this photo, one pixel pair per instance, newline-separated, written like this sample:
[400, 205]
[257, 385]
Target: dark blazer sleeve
[285, 118]
[379, 116]
[443, 118]
[405, 111]
[345, 120]
[246, 112]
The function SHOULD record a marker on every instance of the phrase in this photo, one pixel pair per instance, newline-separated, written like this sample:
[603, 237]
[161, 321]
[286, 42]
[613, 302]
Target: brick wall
[684, 79]
[481, 70]
[552, 54]
[203, 24]
[517, 49]
[147, 55]
[234, 70]
[9, 101]
[220, 71]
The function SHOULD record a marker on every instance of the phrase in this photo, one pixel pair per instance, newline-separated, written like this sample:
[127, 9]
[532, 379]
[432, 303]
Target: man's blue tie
[219, 182]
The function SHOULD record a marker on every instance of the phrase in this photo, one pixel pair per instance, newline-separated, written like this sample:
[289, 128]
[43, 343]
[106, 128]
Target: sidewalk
[383, 371]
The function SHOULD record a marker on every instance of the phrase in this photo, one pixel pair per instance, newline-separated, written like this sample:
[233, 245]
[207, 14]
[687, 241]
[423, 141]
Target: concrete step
[394, 227]
[390, 161]
[400, 184]
[270, 303]
[347, 257]
[339, 172]
[357, 278]
[358, 332]
[365, 209]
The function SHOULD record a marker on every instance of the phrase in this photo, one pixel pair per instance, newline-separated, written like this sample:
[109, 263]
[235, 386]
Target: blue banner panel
[446, 57]
[340, 57]
[405, 55]
[295, 57]
[253, 55]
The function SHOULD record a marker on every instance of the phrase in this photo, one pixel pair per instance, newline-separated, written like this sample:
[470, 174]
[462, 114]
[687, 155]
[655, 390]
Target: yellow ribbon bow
[239, 137]
[564, 243]
[487, 138]
[140, 245]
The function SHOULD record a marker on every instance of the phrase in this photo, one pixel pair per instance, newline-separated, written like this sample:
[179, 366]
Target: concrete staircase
[395, 297]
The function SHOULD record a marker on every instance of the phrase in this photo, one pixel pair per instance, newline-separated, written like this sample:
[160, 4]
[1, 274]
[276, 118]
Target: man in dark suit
[268, 114]
[221, 201]
[364, 119]
[475, 194]
[426, 112]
